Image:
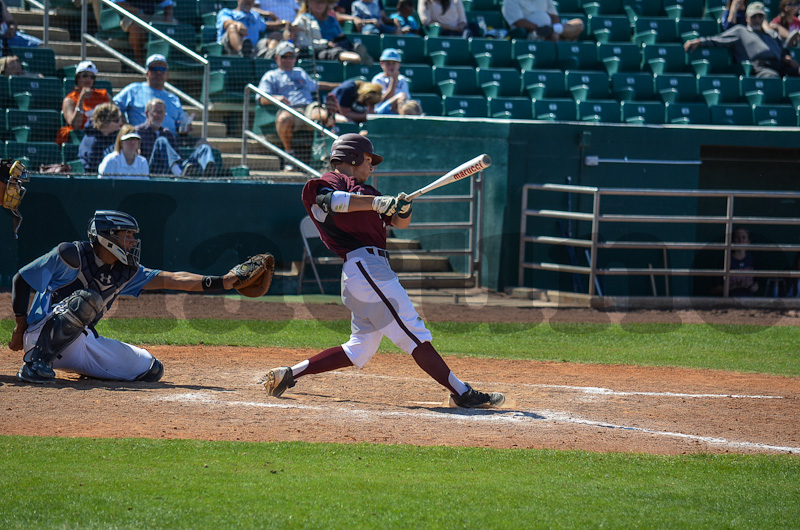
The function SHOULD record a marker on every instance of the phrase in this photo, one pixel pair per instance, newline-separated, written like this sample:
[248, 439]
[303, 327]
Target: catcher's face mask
[14, 193]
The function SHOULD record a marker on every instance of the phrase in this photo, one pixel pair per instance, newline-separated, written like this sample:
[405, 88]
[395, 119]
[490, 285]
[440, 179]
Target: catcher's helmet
[103, 227]
[350, 148]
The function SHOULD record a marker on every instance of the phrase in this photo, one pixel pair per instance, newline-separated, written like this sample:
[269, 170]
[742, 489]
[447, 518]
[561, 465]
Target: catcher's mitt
[254, 276]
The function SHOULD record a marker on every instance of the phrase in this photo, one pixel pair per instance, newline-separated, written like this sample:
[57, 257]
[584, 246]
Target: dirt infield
[214, 393]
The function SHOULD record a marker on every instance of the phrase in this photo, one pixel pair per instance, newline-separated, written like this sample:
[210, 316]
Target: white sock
[456, 383]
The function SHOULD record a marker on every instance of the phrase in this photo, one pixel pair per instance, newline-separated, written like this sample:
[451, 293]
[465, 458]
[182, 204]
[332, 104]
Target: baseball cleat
[473, 399]
[36, 373]
[278, 380]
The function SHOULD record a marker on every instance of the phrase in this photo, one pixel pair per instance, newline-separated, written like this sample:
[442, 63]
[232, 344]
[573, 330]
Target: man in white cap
[292, 86]
[395, 85]
[763, 49]
[78, 106]
[132, 100]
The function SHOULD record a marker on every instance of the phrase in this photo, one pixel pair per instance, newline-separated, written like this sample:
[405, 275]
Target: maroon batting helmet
[350, 148]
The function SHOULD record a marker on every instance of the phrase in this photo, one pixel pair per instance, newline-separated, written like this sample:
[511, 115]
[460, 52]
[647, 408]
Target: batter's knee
[154, 374]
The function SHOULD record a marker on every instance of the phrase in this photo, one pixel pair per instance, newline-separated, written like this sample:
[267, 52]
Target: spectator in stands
[395, 85]
[294, 87]
[160, 147]
[451, 17]
[539, 18]
[277, 10]
[145, 10]
[133, 99]
[343, 11]
[355, 99]
[101, 133]
[734, 14]
[125, 162]
[10, 36]
[410, 107]
[239, 30]
[374, 17]
[741, 260]
[404, 17]
[79, 104]
[10, 65]
[787, 24]
[317, 28]
[763, 48]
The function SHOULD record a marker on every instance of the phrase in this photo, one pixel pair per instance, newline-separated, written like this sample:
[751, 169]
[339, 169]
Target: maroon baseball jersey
[344, 232]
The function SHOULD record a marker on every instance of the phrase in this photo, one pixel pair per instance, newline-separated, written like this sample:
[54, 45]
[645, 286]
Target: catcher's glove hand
[254, 276]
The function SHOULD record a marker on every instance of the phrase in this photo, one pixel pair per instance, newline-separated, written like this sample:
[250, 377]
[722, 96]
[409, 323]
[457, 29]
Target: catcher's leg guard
[68, 320]
[154, 374]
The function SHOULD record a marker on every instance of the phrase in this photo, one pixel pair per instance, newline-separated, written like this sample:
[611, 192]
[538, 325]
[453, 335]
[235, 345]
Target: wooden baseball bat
[479, 163]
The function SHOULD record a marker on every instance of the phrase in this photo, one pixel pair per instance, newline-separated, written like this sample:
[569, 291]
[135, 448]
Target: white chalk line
[587, 389]
[473, 416]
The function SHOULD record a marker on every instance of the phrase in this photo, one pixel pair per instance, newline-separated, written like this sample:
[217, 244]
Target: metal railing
[203, 106]
[595, 217]
[247, 133]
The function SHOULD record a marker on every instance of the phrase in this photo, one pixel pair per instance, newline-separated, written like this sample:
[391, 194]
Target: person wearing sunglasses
[79, 104]
[787, 24]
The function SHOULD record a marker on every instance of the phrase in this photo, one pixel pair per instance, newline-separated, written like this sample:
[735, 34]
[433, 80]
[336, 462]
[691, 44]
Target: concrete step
[394, 243]
[445, 280]
[234, 145]
[277, 176]
[419, 263]
[254, 162]
[56, 33]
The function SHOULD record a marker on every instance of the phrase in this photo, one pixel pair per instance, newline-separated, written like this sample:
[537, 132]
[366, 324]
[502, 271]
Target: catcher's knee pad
[68, 320]
[154, 374]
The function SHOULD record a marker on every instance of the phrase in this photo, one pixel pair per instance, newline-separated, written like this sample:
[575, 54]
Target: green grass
[763, 349]
[136, 483]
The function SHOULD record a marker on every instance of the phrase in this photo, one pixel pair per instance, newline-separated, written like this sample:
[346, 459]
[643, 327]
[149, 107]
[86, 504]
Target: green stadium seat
[570, 6]
[33, 125]
[183, 33]
[482, 5]
[704, 61]
[663, 58]
[499, 82]
[554, 109]
[543, 84]
[37, 152]
[533, 55]
[665, 28]
[264, 119]
[448, 51]
[36, 92]
[431, 103]
[633, 86]
[5, 95]
[420, 77]
[586, 85]
[731, 114]
[328, 71]
[359, 70]
[605, 111]
[759, 90]
[687, 113]
[261, 66]
[689, 8]
[610, 28]
[37, 60]
[775, 115]
[208, 42]
[465, 106]
[642, 112]
[69, 153]
[412, 47]
[513, 108]
[491, 53]
[212, 6]
[691, 28]
[645, 8]
[229, 75]
[579, 55]
[619, 57]
[714, 12]
[493, 19]
[455, 80]
[187, 12]
[717, 89]
[372, 43]
[676, 87]
[791, 90]
[602, 7]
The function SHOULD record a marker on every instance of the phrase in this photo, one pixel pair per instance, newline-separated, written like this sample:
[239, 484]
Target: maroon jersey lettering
[345, 232]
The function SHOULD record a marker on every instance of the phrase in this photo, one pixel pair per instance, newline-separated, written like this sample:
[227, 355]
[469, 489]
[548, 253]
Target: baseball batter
[75, 284]
[352, 217]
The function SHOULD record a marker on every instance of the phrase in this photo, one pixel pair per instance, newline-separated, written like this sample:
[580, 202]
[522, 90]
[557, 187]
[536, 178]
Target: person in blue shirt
[74, 284]
[239, 30]
[405, 17]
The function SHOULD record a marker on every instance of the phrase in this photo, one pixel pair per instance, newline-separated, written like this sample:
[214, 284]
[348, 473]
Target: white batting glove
[403, 203]
[384, 204]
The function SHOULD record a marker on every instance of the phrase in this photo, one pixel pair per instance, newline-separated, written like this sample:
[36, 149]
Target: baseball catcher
[77, 282]
[352, 217]
[12, 175]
